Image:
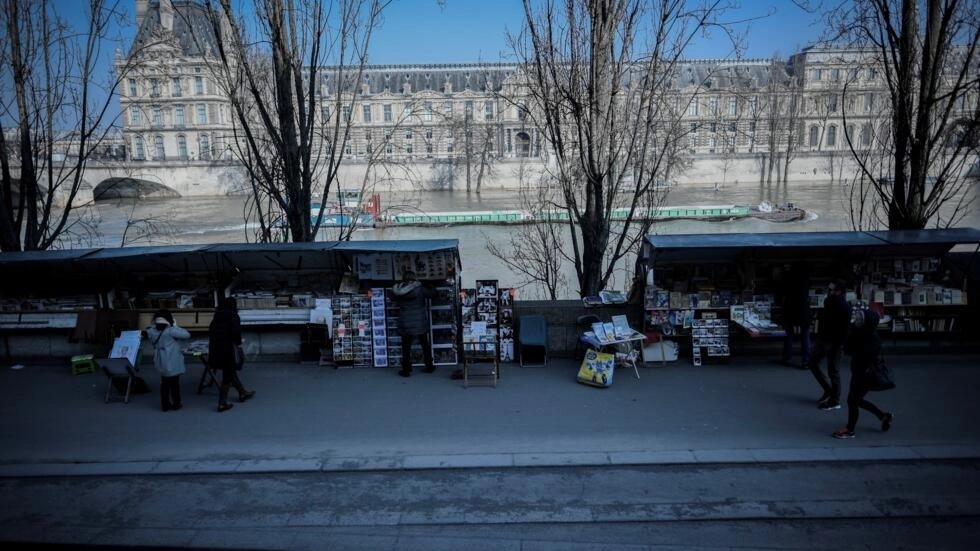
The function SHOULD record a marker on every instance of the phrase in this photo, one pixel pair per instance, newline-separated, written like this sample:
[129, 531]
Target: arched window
[814, 136]
[832, 136]
[182, 147]
[139, 149]
[523, 144]
[158, 152]
[866, 135]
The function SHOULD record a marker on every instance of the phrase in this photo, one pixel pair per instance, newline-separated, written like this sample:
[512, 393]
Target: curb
[491, 461]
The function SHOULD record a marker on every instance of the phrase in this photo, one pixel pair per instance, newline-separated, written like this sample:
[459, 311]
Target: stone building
[744, 113]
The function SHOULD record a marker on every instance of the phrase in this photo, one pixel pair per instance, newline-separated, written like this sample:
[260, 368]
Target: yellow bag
[597, 369]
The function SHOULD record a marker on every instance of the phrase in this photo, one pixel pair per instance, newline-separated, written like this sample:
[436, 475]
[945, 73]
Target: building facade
[175, 114]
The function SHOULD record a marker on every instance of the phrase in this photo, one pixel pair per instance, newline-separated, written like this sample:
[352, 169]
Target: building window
[872, 74]
[754, 105]
[158, 151]
[325, 113]
[835, 75]
[733, 105]
[387, 112]
[199, 85]
[139, 150]
[832, 136]
[869, 101]
[366, 112]
[817, 74]
[713, 128]
[345, 113]
[523, 142]
[182, 147]
[388, 148]
[814, 136]
[712, 106]
[692, 108]
[204, 143]
[488, 111]
[852, 75]
[408, 149]
[408, 134]
[132, 87]
[135, 119]
[832, 103]
[154, 88]
[692, 136]
[367, 135]
[521, 113]
[428, 149]
[157, 116]
[866, 135]
[428, 111]
[468, 109]
[447, 108]
[407, 111]
[850, 133]
[175, 89]
[202, 114]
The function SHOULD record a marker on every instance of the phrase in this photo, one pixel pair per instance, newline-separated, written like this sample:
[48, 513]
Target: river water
[220, 220]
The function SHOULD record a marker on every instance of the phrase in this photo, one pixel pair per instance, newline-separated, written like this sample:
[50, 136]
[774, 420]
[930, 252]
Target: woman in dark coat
[225, 335]
[864, 346]
[413, 320]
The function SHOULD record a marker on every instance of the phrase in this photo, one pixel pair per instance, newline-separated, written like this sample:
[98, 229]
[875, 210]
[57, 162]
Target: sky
[457, 31]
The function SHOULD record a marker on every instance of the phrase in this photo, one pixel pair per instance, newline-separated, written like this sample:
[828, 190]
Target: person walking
[795, 303]
[864, 346]
[413, 320]
[831, 332]
[225, 336]
[168, 358]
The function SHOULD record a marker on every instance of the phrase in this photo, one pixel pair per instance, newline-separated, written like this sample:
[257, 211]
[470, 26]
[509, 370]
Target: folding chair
[533, 338]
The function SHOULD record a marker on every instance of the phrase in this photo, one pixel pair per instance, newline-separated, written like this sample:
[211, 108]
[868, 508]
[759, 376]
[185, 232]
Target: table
[589, 338]
[199, 350]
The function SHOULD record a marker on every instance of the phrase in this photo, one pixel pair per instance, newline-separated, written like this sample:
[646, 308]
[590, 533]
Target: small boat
[777, 213]
[347, 211]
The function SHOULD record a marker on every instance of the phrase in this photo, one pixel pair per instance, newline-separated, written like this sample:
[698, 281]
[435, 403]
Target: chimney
[167, 15]
[141, 7]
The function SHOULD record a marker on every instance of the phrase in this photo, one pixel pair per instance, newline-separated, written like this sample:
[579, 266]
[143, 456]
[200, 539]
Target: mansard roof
[708, 74]
[477, 77]
[192, 31]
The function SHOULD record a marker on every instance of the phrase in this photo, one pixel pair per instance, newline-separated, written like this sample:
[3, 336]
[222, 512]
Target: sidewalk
[307, 418]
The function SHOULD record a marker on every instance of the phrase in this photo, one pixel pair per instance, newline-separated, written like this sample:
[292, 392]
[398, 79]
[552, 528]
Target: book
[615, 297]
[592, 301]
[600, 332]
[621, 327]
[610, 330]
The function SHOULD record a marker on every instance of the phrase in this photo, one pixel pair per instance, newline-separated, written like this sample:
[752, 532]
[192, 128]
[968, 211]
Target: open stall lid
[857, 244]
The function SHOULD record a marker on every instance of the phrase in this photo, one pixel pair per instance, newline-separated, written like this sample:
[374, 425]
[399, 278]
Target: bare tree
[54, 112]
[292, 89]
[535, 251]
[597, 75]
[926, 51]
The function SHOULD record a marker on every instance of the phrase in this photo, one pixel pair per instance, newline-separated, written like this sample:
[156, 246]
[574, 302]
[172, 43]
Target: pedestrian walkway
[308, 418]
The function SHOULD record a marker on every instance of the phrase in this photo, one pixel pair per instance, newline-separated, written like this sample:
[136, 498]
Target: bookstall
[704, 291]
[327, 292]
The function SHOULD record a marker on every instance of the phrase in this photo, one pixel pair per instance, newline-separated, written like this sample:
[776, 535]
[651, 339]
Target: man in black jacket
[413, 320]
[831, 331]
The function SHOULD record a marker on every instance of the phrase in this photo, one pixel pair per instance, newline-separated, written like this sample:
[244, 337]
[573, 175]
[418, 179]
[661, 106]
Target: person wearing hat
[413, 320]
[168, 358]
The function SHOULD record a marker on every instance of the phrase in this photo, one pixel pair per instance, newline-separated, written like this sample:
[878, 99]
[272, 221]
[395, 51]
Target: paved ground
[305, 418]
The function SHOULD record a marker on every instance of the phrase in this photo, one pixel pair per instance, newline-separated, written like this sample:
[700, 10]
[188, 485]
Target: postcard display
[694, 315]
[437, 267]
[480, 311]
[917, 294]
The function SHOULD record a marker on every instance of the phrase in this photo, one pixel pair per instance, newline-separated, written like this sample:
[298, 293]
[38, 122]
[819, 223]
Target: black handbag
[239, 357]
[878, 377]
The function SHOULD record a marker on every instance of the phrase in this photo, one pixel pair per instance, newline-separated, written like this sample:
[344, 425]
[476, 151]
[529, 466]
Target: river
[220, 220]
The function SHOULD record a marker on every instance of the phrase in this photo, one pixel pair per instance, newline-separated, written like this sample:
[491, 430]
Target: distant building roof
[192, 30]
